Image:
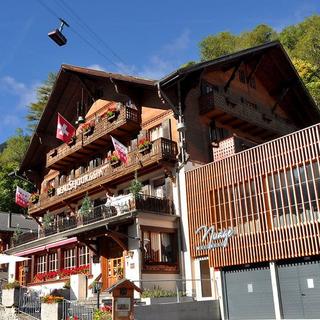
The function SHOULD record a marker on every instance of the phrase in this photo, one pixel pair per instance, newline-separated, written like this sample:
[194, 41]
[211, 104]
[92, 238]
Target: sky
[144, 38]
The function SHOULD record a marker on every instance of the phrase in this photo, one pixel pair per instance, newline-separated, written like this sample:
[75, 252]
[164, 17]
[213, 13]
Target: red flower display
[41, 277]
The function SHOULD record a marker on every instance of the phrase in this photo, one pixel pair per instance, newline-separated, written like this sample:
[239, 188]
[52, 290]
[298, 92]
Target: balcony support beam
[116, 238]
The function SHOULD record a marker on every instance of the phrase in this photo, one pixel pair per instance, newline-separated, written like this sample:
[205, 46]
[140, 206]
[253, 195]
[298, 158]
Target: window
[159, 187]
[242, 76]
[41, 264]
[53, 261]
[84, 256]
[156, 132]
[159, 247]
[69, 258]
[207, 88]
[293, 195]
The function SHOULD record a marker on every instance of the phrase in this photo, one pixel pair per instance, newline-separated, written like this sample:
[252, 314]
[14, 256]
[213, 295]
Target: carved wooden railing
[162, 150]
[262, 116]
[101, 128]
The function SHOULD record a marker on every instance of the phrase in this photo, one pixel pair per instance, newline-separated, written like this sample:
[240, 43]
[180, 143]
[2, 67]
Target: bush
[51, 299]
[157, 292]
[12, 285]
[104, 314]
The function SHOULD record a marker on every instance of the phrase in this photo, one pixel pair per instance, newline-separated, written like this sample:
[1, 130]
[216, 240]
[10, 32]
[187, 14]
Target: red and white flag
[120, 149]
[22, 197]
[65, 130]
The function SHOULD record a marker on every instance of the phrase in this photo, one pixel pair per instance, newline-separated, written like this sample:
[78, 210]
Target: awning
[48, 246]
[6, 258]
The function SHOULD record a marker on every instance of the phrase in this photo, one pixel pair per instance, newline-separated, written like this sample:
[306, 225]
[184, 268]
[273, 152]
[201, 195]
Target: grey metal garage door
[300, 289]
[248, 293]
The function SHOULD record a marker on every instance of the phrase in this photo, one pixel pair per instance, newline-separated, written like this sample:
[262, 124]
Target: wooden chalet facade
[120, 235]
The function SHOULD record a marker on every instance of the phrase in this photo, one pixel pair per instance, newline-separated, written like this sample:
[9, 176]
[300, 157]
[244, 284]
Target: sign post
[122, 299]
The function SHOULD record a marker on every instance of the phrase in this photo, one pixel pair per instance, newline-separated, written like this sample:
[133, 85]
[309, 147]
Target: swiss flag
[65, 130]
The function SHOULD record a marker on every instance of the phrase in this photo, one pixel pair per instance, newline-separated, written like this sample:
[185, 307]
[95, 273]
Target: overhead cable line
[79, 35]
[84, 25]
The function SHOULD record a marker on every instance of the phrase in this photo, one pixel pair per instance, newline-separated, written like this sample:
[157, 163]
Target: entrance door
[300, 289]
[112, 271]
[248, 293]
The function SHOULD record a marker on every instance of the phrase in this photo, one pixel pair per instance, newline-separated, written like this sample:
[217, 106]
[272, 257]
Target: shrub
[51, 299]
[157, 292]
[12, 285]
[104, 313]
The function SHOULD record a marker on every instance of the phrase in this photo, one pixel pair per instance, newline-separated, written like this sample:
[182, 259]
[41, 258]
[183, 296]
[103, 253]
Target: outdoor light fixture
[57, 36]
[97, 288]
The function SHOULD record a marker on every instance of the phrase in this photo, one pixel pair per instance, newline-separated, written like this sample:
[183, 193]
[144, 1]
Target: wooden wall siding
[268, 194]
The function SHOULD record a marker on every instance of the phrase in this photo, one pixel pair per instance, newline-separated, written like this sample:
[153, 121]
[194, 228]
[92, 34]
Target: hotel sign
[75, 183]
[212, 238]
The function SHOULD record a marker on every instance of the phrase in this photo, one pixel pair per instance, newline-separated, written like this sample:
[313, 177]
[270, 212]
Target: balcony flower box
[34, 198]
[114, 160]
[144, 146]
[51, 191]
[112, 113]
[87, 128]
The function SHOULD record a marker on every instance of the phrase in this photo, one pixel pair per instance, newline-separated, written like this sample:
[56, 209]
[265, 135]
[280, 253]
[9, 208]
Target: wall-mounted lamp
[130, 254]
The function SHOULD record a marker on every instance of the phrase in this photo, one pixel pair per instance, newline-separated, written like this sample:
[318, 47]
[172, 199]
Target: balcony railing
[128, 117]
[232, 105]
[143, 203]
[162, 150]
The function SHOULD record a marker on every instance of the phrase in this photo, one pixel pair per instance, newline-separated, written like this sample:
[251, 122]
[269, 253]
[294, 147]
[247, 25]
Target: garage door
[248, 293]
[300, 290]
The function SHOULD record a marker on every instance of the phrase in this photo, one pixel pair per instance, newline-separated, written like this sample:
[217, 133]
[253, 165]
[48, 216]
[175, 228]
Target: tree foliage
[10, 159]
[35, 109]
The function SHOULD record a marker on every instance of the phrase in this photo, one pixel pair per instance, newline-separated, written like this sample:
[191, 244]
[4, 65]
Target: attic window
[242, 76]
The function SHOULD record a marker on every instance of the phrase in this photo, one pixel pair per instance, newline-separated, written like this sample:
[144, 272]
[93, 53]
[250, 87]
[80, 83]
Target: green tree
[35, 109]
[10, 159]
[218, 45]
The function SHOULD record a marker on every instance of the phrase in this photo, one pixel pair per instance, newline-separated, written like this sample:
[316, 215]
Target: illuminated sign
[214, 239]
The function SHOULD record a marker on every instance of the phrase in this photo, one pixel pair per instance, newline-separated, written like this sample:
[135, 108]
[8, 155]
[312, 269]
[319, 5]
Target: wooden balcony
[162, 152]
[252, 119]
[102, 214]
[127, 120]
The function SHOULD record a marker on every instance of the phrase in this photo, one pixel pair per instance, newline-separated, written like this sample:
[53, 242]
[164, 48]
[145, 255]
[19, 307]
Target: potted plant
[144, 145]
[51, 190]
[135, 186]
[72, 141]
[114, 159]
[51, 307]
[34, 198]
[112, 113]
[87, 128]
[16, 234]
[48, 220]
[10, 294]
[86, 206]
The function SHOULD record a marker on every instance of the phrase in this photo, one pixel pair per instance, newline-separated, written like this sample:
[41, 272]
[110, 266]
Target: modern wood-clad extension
[269, 195]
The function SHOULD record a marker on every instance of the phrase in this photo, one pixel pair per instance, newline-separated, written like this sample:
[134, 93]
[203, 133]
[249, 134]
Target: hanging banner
[22, 197]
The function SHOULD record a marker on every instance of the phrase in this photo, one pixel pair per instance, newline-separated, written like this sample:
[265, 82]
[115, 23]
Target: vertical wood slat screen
[269, 195]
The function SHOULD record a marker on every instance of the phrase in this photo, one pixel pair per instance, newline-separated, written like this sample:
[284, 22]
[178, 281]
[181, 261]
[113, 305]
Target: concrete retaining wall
[200, 310]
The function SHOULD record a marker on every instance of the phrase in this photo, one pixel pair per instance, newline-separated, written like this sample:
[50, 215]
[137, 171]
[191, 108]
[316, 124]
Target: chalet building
[225, 170]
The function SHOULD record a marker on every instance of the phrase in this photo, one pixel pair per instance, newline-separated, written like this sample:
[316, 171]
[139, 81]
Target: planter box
[115, 164]
[113, 117]
[161, 300]
[145, 150]
[10, 297]
[51, 311]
